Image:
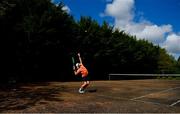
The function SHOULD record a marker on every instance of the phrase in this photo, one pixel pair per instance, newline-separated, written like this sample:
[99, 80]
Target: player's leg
[83, 85]
[81, 89]
[87, 84]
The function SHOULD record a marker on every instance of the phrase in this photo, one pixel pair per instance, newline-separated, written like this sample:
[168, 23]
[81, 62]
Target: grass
[168, 78]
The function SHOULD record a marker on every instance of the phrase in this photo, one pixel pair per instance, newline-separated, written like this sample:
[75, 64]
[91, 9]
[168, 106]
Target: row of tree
[39, 39]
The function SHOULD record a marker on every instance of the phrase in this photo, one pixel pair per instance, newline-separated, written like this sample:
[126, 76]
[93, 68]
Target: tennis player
[82, 70]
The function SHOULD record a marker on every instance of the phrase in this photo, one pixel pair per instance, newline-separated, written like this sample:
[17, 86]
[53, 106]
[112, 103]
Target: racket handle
[74, 68]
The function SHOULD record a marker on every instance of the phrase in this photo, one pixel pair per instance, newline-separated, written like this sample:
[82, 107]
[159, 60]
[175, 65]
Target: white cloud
[121, 10]
[172, 43]
[55, 2]
[154, 33]
[66, 8]
[123, 13]
[52, 1]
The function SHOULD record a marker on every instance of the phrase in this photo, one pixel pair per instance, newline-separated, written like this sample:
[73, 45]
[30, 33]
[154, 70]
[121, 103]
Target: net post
[109, 77]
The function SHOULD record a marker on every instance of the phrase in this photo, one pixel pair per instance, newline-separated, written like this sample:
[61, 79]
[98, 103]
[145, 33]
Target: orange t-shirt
[83, 70]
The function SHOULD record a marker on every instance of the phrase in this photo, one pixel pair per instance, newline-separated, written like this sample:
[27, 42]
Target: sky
[157, 21]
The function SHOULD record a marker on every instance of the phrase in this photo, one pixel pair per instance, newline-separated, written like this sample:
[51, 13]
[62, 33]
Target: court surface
[124, 96]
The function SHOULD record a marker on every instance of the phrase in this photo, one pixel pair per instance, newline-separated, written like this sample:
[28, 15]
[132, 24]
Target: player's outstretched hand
[79, 54]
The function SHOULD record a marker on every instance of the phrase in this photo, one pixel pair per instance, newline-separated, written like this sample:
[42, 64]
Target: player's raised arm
[80, 58]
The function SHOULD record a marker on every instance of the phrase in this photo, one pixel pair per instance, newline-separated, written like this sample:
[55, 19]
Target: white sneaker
[81, 90]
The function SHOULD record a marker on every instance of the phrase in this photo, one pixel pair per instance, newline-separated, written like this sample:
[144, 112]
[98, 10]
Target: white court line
[136, 99]
[175, 103]
[155, 93]
[119, 98]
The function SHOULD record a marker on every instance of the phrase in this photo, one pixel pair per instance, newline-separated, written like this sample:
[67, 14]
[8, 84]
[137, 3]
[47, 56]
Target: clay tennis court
[125, 96]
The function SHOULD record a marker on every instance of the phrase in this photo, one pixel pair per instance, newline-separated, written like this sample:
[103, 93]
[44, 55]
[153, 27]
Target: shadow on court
[20, 98]
[125, 96]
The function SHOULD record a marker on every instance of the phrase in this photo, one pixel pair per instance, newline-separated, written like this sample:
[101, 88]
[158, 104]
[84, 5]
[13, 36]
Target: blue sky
[155, 20]
[161, 11]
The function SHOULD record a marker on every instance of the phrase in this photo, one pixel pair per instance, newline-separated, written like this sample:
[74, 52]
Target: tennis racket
[73, 62]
